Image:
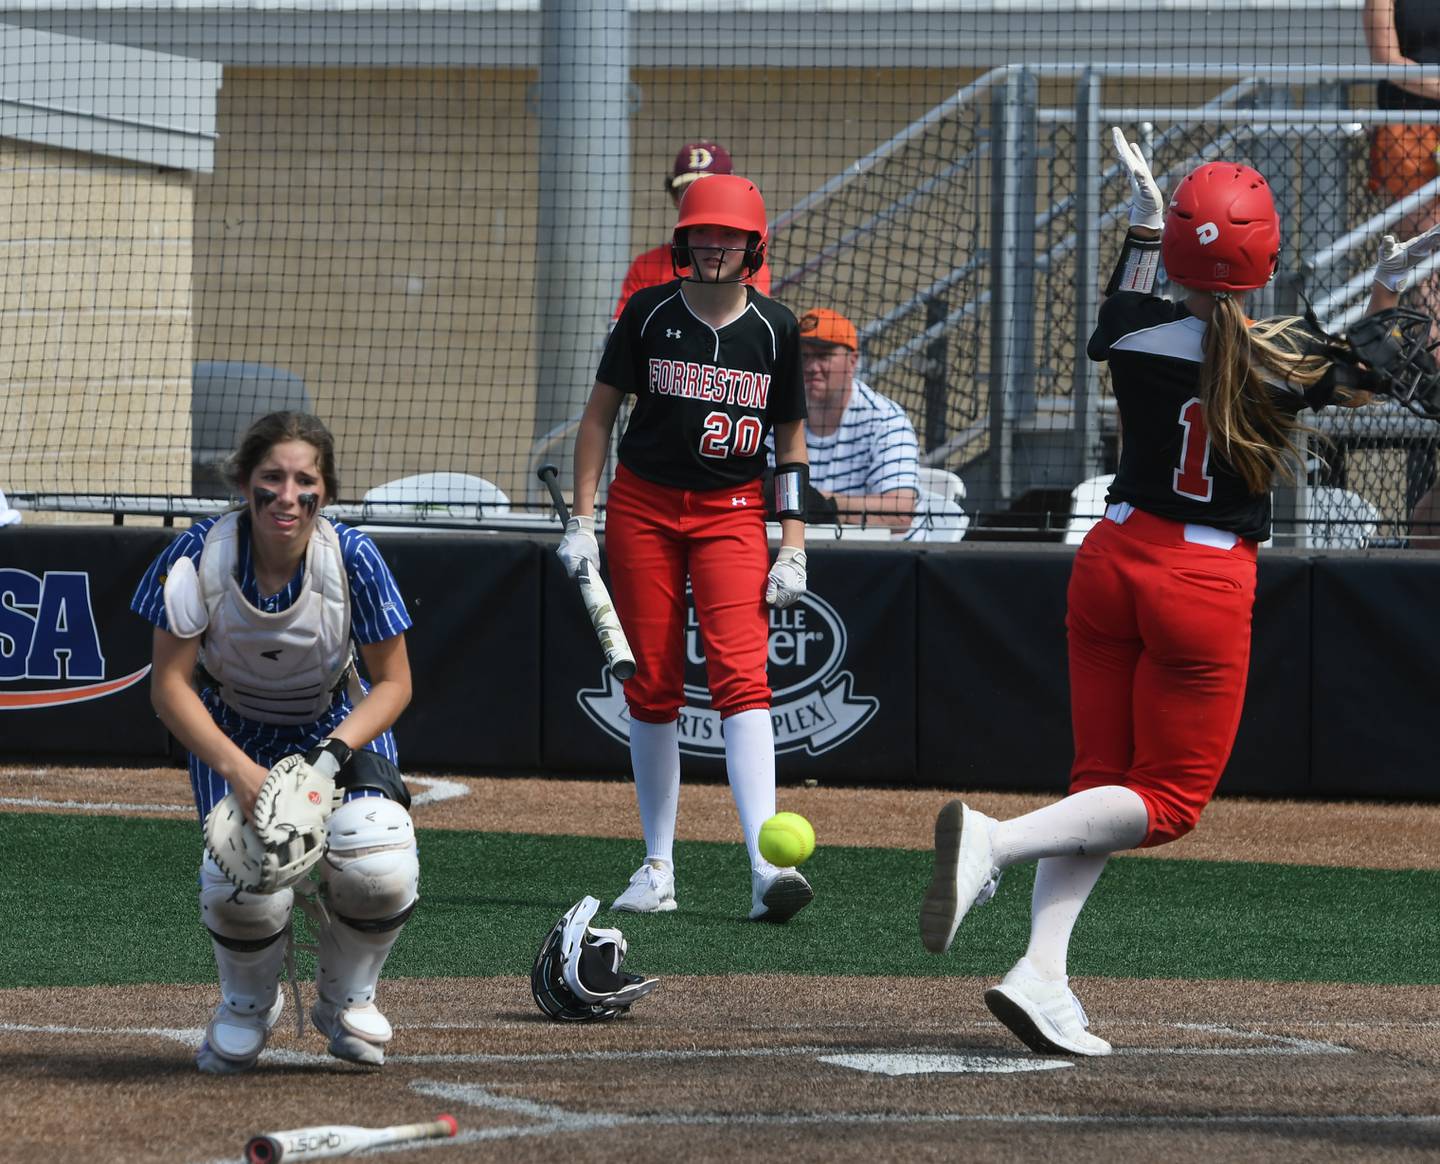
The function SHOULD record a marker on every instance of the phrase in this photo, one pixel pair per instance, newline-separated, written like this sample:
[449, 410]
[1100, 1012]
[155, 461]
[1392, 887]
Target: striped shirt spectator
[873, 451]
[862, 446]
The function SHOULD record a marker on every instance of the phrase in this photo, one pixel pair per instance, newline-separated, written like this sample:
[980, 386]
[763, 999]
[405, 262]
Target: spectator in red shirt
[698, 159]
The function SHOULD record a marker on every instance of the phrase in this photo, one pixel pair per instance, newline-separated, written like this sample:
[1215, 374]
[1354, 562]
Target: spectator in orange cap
[697, 159]
[863, 451]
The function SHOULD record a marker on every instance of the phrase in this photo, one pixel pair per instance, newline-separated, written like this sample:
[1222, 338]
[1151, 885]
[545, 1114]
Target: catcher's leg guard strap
[373, 771]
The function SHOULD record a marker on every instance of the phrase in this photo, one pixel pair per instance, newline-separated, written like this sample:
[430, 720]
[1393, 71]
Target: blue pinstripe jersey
[377, 613]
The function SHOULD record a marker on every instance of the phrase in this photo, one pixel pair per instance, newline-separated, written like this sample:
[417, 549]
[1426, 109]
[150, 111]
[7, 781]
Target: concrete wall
[95, 327]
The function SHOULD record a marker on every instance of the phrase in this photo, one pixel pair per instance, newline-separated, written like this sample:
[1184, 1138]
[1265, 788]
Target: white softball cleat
[964, 874]
[651, 890]
[233, 1040]
[777, 895]
[357, 1034]
[1043, 1014]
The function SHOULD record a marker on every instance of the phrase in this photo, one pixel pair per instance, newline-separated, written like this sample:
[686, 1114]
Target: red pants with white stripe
[656, 537]
[1159, 634]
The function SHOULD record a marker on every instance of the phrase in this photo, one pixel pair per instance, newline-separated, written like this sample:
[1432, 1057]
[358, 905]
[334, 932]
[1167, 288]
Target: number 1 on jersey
[1192, 477]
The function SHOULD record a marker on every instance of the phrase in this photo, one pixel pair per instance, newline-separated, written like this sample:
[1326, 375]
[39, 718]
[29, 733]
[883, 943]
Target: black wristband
[792, 482]
[1136, 267]
[338, 750]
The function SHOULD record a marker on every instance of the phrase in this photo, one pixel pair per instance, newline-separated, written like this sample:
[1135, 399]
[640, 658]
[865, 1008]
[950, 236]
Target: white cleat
[1045, 1015]
[777, 895]
[233, 1040]
[651, 890]
[964, 874]
[357, 1034]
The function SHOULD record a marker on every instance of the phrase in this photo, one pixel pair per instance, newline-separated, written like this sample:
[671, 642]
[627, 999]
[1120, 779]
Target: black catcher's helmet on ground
[1396, 353]
[577, 975]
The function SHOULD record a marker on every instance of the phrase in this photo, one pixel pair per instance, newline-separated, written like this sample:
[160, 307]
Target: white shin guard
[370, 881]
[249, 932]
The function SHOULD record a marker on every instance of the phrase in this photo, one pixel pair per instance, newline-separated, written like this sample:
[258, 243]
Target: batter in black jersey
[705, 397]
[714, 367]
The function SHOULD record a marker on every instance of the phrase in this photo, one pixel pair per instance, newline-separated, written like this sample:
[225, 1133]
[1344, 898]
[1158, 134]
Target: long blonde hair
[1257, 439]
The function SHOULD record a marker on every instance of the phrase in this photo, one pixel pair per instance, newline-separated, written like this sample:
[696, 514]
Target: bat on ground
[597, 599]
[338, 1140]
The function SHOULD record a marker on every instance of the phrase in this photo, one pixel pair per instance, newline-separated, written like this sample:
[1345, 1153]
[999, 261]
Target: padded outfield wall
[943, 667]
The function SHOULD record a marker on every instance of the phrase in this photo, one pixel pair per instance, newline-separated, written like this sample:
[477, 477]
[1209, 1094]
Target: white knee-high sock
[1062, 887]
[750, 764]
[1094, 822]
[655, 760]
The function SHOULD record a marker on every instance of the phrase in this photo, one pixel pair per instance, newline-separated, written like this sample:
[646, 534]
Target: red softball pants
[1159, 638]
[656, 537]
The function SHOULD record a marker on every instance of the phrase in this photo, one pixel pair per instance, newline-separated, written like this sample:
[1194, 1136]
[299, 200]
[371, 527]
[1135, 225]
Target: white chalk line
[435, 791]
[1278, 1046]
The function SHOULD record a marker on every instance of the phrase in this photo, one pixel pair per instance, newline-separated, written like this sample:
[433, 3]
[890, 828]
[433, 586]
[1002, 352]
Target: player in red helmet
[714, 366]
[1161, 591]
[696, 160]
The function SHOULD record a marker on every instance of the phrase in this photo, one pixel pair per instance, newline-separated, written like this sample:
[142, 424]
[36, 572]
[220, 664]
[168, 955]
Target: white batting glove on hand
[1398, 259]
[1147, 208]
[579, 545]
[787, 578]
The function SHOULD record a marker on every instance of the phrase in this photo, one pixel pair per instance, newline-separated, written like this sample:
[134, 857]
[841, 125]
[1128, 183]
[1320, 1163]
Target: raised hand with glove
[1147, 207]
[1399, 259]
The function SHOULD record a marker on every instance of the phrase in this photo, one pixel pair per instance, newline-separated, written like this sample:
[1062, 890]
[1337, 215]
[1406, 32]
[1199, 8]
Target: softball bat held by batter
[598, 604]
[322, 1142]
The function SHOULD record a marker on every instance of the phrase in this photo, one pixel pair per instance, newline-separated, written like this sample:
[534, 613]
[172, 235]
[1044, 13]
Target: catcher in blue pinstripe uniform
[258, 616]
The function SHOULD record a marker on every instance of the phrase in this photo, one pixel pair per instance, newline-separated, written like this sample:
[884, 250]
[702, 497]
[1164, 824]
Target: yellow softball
[786, 839]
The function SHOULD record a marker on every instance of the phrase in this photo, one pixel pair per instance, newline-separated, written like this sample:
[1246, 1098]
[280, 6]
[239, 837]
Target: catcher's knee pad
[371, 880]
[249, 933]
[237, 918]
[371, 870]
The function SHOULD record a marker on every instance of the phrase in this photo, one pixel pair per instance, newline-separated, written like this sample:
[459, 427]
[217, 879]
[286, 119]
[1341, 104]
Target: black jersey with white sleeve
[1168, 463]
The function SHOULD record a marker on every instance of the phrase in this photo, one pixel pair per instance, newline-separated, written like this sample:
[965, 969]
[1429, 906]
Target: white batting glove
[1398, 259]
[1147, 208]
[579, 545]
[787, 578]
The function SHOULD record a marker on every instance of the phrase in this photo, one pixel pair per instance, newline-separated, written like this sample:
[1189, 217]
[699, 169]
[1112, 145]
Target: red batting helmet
[1221, 231]
[723, 200]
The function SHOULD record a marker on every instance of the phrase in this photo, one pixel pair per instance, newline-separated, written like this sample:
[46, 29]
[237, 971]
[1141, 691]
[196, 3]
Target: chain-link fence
[422, 239]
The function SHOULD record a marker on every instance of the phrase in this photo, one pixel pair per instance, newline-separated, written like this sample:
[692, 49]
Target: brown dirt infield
[775, 1067]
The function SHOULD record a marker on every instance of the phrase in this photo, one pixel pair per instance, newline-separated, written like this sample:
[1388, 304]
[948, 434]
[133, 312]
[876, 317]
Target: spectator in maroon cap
[698, 159]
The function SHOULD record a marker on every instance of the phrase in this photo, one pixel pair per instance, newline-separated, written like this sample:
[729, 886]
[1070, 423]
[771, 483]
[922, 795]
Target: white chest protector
[279, 668]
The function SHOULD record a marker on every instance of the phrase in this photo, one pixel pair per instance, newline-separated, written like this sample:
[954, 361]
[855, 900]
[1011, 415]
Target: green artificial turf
[100, 900]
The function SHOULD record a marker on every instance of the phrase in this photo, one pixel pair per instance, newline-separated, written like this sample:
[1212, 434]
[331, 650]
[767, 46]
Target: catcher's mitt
[1396, 350]
[285, 837]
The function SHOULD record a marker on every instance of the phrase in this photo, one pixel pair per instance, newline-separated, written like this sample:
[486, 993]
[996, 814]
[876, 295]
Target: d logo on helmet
[1207, 233]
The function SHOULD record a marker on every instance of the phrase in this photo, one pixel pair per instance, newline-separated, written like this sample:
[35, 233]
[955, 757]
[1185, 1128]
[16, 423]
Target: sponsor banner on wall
[73, 660]
[474, 651]
[993, 663]
[841, 672]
